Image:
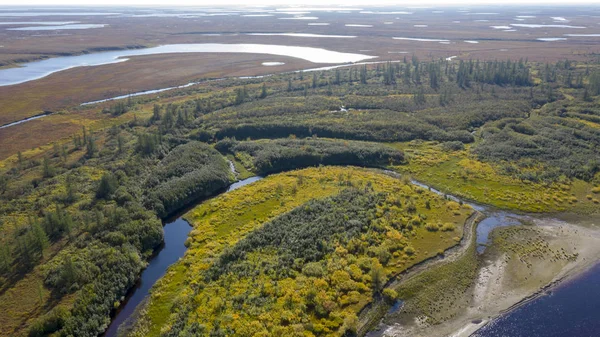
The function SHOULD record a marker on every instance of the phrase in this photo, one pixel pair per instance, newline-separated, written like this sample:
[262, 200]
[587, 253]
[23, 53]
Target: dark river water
[176, 232]
[571, 310]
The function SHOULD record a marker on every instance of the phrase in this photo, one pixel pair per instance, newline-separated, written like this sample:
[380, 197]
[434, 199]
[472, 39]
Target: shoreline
[490, 297]
[450, 255]
[560, 280]
[567, 274]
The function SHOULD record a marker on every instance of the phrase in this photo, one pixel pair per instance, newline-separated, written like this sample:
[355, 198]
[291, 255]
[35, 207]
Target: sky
[399, 3]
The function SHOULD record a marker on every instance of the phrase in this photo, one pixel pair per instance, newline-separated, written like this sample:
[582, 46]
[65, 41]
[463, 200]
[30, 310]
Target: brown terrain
[67, 89]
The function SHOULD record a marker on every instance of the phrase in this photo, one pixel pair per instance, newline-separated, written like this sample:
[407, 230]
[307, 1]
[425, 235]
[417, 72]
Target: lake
[38, 69]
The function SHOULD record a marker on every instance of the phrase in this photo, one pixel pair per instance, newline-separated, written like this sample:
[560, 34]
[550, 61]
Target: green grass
[242, 171]
[223, 221]
[461, 174]
[438, 292]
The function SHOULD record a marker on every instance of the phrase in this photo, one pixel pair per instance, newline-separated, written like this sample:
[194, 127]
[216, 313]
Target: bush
[107, 186]
[390, 295]
[288, 154]
[190, 171]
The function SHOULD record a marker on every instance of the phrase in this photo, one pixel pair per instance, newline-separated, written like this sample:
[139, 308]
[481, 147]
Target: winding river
[574, 301]
[176, 232]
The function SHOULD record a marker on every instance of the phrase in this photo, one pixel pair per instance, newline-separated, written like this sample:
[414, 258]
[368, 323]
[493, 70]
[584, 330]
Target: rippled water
[571, 310]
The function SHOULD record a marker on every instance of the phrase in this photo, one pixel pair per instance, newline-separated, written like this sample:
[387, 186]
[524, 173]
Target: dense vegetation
[307, 271]
[78, 219]
[78, 234]
[565, 146]
[287, 154]
[190, 171]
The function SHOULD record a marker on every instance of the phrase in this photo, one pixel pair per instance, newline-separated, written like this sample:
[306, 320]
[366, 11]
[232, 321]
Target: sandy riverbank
[526, 265]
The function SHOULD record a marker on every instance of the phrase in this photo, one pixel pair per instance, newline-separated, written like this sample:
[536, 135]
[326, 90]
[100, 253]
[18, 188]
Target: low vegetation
[262, 266]
[80, 217]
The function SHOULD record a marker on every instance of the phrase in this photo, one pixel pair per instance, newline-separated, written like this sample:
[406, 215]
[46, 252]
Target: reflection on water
[176, 232]
[35, 70]
[61, 27]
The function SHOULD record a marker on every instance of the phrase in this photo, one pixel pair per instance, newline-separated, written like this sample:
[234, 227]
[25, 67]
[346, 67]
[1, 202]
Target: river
[574, 302]
[571, 309]
[176, 232]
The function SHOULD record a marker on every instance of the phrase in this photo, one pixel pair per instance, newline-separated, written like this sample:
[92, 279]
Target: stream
[48, 113]
[574, 301]
[570, 309]
[176, 232]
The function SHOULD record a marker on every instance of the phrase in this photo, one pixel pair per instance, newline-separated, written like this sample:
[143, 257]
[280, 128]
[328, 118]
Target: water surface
[38, 69]
[525, 25]
[357, 25]
[176, 232]
[49, 23]
[304, 35]
[27, 14]
[61, 27]
[569, 310]
[420, 39]
[25, 120]
[550, 39]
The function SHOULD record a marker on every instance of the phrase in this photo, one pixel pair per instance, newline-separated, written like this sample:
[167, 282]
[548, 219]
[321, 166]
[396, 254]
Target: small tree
[3, 184]
[20, 159]
[70, 196]
[48, 171]
[90, 146]
[108, 186]
[378, 278]
[155, 113]
[40, 238]
[263, 93]
[594, 83]
[120, 143]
